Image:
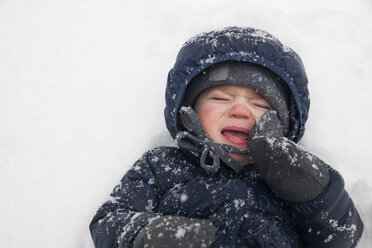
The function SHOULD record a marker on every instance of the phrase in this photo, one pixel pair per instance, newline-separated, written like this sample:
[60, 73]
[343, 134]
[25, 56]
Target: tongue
[236, 134]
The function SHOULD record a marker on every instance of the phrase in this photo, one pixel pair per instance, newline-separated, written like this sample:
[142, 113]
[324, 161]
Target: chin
[242, 159]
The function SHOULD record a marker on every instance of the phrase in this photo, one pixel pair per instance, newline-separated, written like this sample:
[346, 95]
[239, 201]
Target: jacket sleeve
[129, 209]
[330, 220]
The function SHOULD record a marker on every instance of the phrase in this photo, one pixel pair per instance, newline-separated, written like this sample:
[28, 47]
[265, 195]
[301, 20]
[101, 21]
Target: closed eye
[219, 98]
[263, 106]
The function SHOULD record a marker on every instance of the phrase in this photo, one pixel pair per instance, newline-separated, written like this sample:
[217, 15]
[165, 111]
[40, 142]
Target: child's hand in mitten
[268, 125]
[291, 172]
[176, 231]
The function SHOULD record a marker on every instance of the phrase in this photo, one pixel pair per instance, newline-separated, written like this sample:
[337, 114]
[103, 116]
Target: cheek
[209, 119]
[258, 113]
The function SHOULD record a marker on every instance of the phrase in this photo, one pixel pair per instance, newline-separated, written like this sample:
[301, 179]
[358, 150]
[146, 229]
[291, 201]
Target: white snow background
[82, 96]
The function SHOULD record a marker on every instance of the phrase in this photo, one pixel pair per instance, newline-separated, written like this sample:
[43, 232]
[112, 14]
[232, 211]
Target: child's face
[228, 112]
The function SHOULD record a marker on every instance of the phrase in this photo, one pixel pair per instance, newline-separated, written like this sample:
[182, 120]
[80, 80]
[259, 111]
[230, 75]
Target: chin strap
[196, 139]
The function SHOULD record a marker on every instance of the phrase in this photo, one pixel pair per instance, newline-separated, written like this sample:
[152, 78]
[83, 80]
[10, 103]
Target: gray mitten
[176, 231]
[292, 173]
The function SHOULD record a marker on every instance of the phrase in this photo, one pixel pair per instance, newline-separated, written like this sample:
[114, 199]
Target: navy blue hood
[238, 44]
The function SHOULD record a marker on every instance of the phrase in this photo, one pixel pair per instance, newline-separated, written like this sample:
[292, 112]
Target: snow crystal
[167, 168]
[135, 216]
[104, 219]
[180, 233]
[328, 239]
[287, 49]
[243, 53]
[309, 157]
[239, 203]
[335, 225]
[184, 197]
[150, 205]
[270, 141]
[209, 60]
[113, 200]
[263, 35]
[155, 159]
[315, 166]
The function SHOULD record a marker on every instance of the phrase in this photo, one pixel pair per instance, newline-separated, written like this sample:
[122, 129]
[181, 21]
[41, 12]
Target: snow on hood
[238, 44]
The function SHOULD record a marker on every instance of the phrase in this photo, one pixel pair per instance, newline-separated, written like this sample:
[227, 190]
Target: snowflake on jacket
[197, 196]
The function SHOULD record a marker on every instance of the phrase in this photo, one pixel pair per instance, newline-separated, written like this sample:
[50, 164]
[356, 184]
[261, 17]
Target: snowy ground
[82, 95]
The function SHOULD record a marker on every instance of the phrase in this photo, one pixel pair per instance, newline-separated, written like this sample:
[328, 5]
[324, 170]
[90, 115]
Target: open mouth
[236, 135]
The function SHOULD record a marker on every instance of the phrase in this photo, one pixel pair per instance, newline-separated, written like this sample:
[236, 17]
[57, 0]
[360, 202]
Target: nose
[240, 111]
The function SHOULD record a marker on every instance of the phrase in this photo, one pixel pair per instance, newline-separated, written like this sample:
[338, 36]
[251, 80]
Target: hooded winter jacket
[245, 212]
